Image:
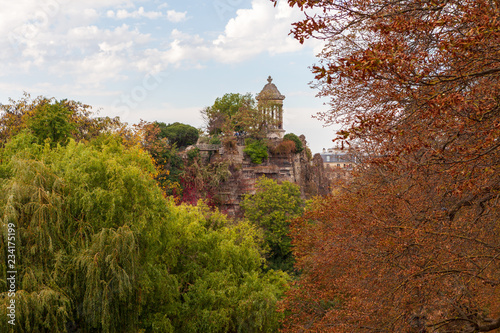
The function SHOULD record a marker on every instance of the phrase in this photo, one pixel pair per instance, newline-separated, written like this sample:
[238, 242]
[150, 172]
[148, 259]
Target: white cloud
[259, 29]
[90, 14]
[15, 14]
[69, 39]
[95, 69]
[171, 15]
[86, 40]
[136, 14]
[174, 16]
[114, 48]
[262, 28]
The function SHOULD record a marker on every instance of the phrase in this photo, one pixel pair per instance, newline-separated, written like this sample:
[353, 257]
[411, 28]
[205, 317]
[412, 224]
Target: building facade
[339, 162]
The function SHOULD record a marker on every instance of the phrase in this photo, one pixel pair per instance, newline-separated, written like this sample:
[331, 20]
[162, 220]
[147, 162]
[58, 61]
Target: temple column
[280, 120]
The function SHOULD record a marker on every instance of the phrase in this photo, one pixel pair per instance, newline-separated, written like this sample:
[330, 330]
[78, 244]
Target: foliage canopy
[99, 248]
[55, 120]
[232, 113]
[180, 134]
[272, 208]
[299, 147]
[412, 245]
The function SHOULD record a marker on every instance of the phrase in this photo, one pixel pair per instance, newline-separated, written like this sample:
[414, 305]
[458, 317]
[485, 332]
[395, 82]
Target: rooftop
[270, 92]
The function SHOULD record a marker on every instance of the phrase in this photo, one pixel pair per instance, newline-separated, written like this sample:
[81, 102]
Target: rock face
[300, 169]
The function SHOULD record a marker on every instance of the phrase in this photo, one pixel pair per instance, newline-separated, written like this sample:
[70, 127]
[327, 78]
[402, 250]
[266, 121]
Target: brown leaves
[412, 245]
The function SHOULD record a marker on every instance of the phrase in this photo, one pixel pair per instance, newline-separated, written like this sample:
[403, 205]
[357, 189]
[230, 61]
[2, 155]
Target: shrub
[215, 140]
[193, 154]
[298, 143]
[229, 143]
[256, 150]
[203, 139]
[309, 154]
[286, 147]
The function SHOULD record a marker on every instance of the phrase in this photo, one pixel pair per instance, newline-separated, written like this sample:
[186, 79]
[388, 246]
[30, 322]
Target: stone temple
[270, 105]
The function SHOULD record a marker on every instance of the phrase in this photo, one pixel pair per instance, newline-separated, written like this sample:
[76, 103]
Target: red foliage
[285, 147]
[413, 244]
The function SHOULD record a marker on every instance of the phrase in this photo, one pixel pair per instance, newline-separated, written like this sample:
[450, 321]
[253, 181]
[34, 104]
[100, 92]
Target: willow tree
[77, 213]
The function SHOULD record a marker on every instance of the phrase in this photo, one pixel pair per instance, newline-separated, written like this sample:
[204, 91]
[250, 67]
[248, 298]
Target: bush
[298, 143]
[193, 154]
[229, 143]
[309, 154]
[286, 147]
[215, 140]
[256, 150]
[203, 139]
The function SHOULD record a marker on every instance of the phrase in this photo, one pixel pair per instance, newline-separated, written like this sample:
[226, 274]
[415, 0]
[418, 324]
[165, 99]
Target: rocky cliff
[309, 173]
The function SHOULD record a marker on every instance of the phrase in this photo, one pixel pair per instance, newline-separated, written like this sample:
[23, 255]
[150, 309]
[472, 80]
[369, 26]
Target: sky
[159, 60]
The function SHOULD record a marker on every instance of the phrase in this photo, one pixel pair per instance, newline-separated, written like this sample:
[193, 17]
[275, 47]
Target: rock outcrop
[309, 173]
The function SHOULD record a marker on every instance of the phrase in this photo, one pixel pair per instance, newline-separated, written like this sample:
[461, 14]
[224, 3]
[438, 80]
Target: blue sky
[159, 60]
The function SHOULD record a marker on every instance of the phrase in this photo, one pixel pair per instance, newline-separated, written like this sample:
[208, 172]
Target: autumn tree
[299, 147]
[412, 245]
[168, 163]
[182, 175]
[201, 180]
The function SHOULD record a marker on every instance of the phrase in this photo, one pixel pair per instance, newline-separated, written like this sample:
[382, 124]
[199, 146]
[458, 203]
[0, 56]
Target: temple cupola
[270, 105]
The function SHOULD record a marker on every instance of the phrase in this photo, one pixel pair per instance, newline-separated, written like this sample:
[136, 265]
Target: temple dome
[270, 92]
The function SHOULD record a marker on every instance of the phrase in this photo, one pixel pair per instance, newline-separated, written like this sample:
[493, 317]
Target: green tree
[180, 134]
[51, 122]
[232, 113]
[56, 120]
[100, 249]
[77, 213]
[223, 288]
[272, 208]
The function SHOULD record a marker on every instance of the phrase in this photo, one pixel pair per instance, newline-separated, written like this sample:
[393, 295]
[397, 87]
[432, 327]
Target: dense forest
[97, 246]
[114, 228]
